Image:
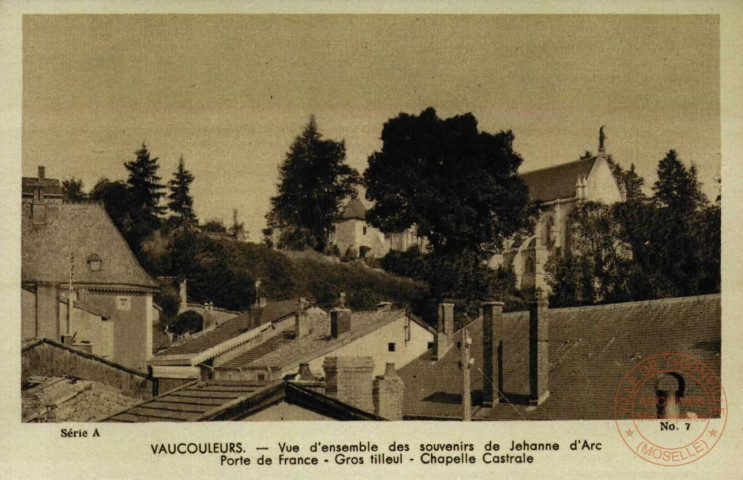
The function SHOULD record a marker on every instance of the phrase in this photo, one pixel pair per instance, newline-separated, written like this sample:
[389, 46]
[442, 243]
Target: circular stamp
[670, 409]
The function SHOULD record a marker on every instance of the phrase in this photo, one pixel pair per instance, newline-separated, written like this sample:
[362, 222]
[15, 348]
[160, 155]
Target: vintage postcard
[493, 239]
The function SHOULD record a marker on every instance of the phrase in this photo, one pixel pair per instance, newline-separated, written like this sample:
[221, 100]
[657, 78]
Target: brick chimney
[42, 172]
[539, 364]
[445, 329]
[389, 391]
[349, 380]
[340, 321]
[301, 320]
[492, 353]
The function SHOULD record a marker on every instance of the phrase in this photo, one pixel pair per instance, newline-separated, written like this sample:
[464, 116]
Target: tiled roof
[354, 209]
[206, 339]
[280, 309]
[289, 352]
[202, 341]
[590, 350]
[83, 230]
[216, 400]
[556, 182]
[52, 187]
[66, 399]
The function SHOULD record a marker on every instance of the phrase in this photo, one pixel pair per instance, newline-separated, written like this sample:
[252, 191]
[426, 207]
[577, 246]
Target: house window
[390, 347]
[431, 345]
[94, 263]
[123, 303]
[261, 377]
[364, 230]
[407, 329]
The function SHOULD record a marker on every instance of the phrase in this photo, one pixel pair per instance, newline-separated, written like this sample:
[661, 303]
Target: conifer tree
[144, 192]
[180, 199]
[314, 181]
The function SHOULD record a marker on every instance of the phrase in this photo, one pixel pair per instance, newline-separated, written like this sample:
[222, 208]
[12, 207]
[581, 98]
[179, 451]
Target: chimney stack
[42, 172]
[389, 391]
[301, 320]
[340, 321]
[349, 380]
[492, 353]
[539, 364]
[445, 329]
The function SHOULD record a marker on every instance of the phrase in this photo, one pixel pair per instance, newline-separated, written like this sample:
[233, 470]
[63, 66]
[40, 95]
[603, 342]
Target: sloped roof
[291, 351]
[73, 399]
[354, 209]
[202, 341]
[82, 230]
[216, 400]
[551, 183]
[590, 351]
[207, 339]
[52, 187]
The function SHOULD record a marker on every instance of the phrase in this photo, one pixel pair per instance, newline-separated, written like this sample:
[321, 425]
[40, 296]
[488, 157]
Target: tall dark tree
[114, 196]
[180, 199]
[677, 187]
[459, 186]
[314, 180]
[144, 192]
[73, 191]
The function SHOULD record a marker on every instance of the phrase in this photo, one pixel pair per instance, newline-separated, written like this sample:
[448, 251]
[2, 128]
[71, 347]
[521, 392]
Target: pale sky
[230, 93]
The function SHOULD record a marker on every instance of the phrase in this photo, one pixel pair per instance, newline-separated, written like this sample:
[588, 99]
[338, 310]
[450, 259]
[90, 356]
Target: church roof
[556, 182]
[354, 209]
[83, 230]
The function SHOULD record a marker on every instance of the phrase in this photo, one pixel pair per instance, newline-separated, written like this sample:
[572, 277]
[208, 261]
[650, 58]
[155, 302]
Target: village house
[386, 336]
[41, 188]
[74, 251]
[561, 364]
[348, 392]
[353, 234]
[196, 356]
[558, 190]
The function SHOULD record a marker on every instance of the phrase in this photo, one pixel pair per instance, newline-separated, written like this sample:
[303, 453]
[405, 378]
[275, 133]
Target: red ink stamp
[670, 409]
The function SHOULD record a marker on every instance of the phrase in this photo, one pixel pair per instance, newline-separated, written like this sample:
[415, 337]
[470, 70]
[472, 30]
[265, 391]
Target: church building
[558, 189]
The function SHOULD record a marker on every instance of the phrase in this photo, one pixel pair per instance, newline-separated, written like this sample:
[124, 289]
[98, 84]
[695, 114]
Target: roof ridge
[638, 302]
[580, 160]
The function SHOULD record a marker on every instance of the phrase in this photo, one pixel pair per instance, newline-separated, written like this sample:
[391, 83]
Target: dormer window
[94, 263]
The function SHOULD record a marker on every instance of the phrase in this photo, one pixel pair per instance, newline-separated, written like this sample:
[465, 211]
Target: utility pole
[466, 365]
[70, 295]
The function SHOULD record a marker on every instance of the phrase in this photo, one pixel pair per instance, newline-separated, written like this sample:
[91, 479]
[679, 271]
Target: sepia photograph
[366, 217]
[508, 222]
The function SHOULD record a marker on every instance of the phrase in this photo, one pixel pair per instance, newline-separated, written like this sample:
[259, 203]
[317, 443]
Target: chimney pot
[305, 374]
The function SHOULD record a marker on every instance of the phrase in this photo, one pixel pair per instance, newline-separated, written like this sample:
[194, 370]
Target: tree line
[461, 190]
